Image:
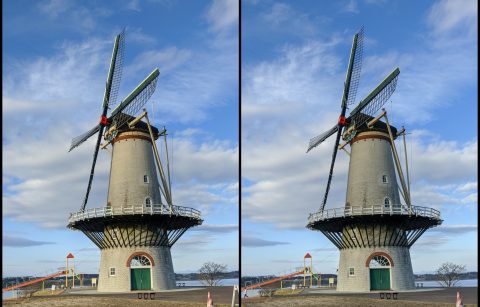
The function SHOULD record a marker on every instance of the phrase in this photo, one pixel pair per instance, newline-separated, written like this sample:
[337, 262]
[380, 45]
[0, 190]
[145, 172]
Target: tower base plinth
[359, 272]
[119, 272]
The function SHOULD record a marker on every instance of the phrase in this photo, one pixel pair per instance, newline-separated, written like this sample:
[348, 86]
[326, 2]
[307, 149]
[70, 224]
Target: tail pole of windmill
[378, 224]
[139, 224]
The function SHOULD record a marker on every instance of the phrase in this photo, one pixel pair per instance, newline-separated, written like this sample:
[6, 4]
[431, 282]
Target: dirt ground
[61, 301]
[445, 297]
[222, 296]
[334, 301]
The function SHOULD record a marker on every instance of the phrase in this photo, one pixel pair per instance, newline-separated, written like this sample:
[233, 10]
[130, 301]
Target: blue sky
[294, 53]
[56, 56]
[294, 60]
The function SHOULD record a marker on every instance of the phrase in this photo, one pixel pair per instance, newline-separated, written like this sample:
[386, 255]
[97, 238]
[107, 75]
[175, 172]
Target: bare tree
[211, 273]
[449, 274]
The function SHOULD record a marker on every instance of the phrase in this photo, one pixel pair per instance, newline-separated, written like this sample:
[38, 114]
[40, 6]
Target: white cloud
[53, 104]
[216, 228]
[257, 242]
[470, 199]
[51, 184]
[74, 14]
[168, 59]
[208, 162]
[351, 6]
[16, 241]
[207, 80]
[223, 14]
[282, 17]
[437, 155]
[55, 7]
[280, 12]
[448, 15]
[134, 5]
[296, 96]
[281, 110]
[454, 230]
[377, 2]
[137, 35]
[467, 187]
[50, 83]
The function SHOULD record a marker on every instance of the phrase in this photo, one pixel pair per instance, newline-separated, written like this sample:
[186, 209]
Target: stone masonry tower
[374, 230]
[136, 228]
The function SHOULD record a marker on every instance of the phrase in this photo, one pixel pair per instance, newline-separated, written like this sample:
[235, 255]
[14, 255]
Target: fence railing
[374, 210]
[160, 209]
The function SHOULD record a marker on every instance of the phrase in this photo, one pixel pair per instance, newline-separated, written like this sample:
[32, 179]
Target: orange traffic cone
[209, 300]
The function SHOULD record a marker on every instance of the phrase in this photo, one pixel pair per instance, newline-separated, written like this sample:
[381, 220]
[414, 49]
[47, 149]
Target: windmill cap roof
[307, 255]
[378, 126]
[140, 125]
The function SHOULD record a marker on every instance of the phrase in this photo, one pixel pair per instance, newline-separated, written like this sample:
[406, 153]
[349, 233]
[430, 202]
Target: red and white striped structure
[459, 300]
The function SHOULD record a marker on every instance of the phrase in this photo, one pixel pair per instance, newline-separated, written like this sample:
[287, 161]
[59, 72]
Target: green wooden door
[140, 279]
[379, 279]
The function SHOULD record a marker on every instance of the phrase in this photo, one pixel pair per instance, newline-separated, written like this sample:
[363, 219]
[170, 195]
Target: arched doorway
[379, 273]
[140, 273]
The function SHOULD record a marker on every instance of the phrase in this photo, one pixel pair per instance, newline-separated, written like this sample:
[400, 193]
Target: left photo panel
[120, 152]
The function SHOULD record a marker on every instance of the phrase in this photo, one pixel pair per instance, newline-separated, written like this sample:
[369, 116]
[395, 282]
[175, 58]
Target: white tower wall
[132, 159]
[370, 160]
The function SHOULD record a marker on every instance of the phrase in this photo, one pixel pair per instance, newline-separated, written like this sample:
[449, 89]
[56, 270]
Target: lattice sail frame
[137, 103]
[117, 74]
[375, 104]
[78, 140]
[356, 69]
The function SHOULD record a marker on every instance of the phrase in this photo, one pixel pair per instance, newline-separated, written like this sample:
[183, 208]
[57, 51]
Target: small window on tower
[148, 202]
[145, 179]
[351, 271]
[384, 179]
[387, 202]
[112, 271]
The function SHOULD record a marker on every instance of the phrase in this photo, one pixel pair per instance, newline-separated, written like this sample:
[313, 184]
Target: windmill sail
[111, 88]
[135, 100]
[352, 79]
[76, 141]
[351, 85]
[375, 100]
[322, 137]
[356, 70]
[92, 170]
[117, 64]
[113, 82]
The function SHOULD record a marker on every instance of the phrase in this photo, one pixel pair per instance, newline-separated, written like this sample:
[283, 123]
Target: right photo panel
[358, 152]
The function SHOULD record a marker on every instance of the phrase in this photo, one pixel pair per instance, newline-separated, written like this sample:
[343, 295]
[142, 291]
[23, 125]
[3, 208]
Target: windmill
[137, 228]
[374, 230]
[130, 105]
[358, 116]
